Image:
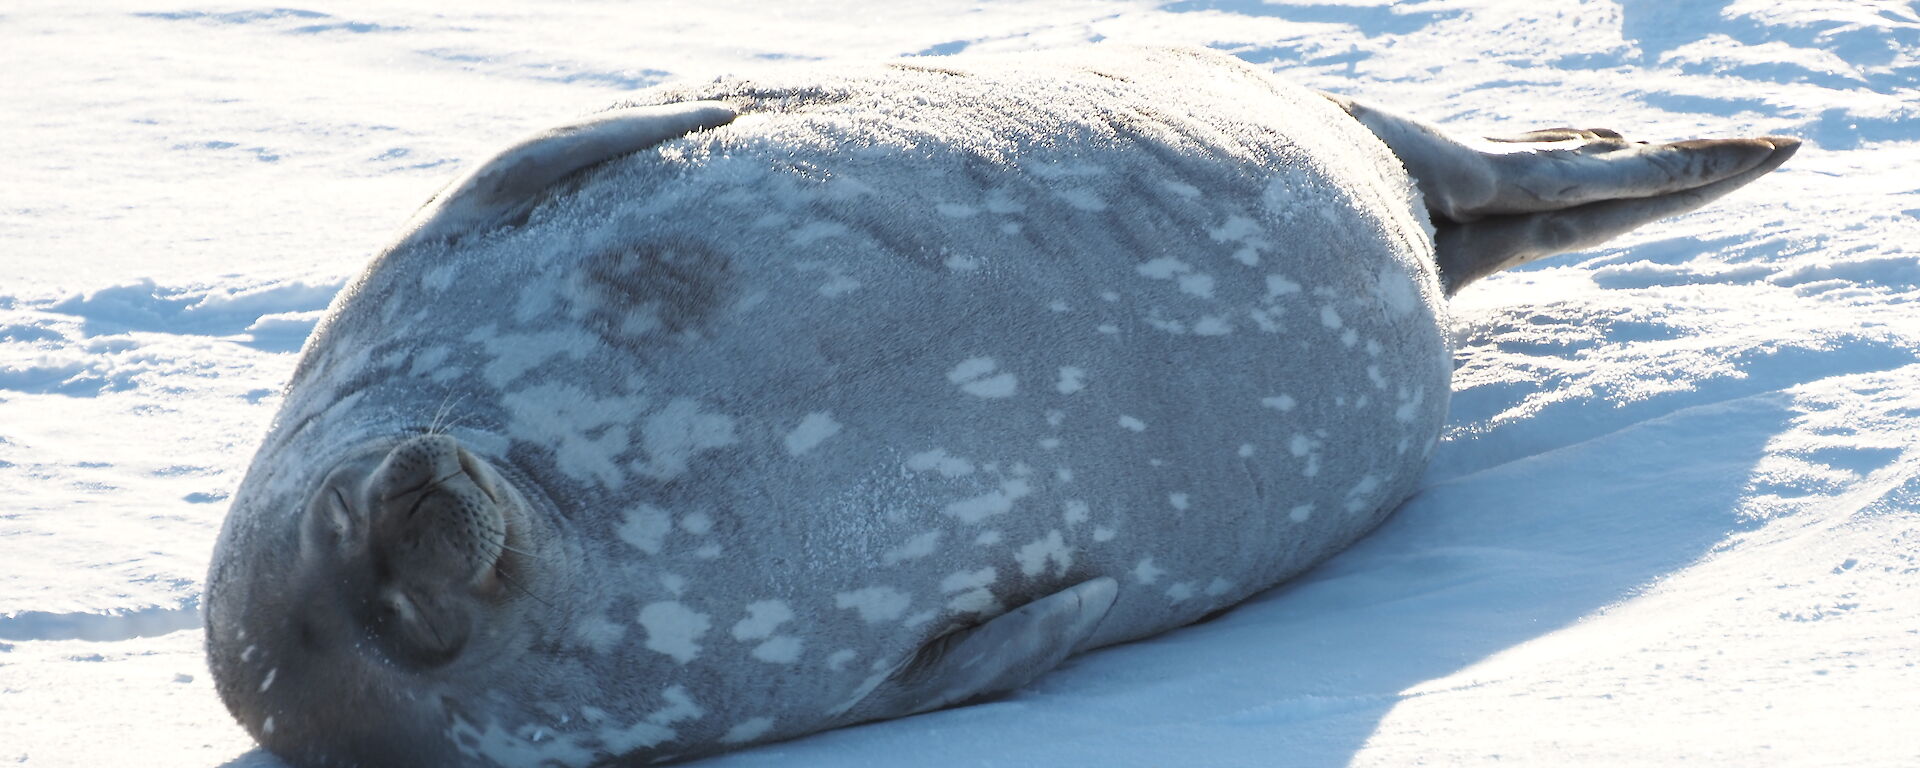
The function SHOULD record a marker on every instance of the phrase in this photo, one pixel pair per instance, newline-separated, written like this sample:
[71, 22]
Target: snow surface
[1676, 514]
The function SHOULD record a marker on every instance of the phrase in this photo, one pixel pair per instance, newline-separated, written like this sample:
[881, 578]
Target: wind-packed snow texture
[1675, 514]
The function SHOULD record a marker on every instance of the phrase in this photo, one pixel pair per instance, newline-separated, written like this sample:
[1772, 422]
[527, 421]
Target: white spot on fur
[1197, 284]
[962, 263]
[674, 583]
[1035, 555]
[964, 580]
[268, 683]
[1281, 403]
[1211, 325]
[1246, 450]
[697, 523]
[1163, 268]
[987, 538]
[579, 427]
[674, 629]
[268, 725]
[1368, 484]
[1218, 587]
[600, 634]
[995, 502]
[645, 528]
[677, 433]
[1178, 500]
[1405, 412]
[875, 604]
[1103, 534]
[974, 601]
[512, 355]
[747, 730]
[1076, 512]
[956, 210]
[1396, 291]
[1299, 514]
[1279, 285]
[937, 460]
[813, 429]
[838, 660]
[917, 547]
[1180, 592]
[1071, 380]
[763, 617]
[814, 231]
[1357, 496]
[839, 285]
[779, 649]
[1132, 423]
[1146, 573]
[1081, 199]
[1329, 317]
[975, 376]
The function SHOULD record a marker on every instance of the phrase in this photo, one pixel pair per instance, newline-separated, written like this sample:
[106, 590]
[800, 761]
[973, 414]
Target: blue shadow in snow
[152, 621]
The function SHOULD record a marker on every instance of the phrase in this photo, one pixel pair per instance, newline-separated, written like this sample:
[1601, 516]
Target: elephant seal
[765, 406]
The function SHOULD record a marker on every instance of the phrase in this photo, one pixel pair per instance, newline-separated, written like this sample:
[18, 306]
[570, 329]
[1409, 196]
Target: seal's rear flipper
[1558, 189]
[1003, 654]
[1469, 251]
[508, 184]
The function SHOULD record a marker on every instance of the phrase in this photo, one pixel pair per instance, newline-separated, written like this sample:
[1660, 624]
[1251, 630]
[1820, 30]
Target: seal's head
[379, 612]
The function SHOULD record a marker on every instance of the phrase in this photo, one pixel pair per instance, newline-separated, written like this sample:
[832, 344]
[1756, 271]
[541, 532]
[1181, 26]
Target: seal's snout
[436, 514]
[437, 530]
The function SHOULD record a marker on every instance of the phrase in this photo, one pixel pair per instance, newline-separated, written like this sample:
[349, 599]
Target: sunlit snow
[1675, 514]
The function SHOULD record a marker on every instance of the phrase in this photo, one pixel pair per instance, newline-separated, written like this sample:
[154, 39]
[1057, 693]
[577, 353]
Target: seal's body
[890, 392]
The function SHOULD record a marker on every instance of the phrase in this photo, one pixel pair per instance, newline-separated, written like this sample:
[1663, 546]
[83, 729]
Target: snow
[1675, 514]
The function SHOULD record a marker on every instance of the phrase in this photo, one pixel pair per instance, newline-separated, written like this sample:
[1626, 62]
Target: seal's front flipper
[1000, 655]
[508, 184]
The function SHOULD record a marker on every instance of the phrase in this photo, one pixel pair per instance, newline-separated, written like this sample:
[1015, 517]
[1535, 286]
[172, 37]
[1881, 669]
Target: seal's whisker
[516, 585]
[447, 404]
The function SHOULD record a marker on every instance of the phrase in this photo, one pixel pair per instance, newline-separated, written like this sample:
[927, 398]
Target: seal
[768, 405]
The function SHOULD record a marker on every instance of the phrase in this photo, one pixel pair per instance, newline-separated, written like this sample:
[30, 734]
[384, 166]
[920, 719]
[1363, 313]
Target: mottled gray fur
[779, 404]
